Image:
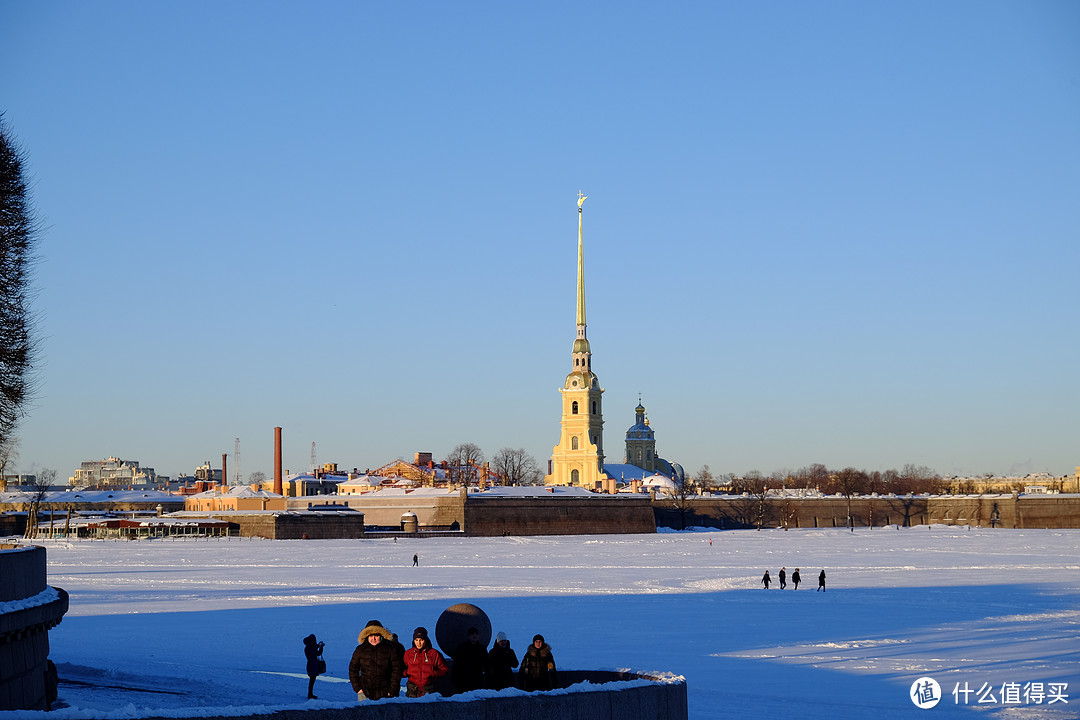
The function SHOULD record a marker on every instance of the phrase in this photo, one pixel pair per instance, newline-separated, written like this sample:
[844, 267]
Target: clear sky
[845, 233]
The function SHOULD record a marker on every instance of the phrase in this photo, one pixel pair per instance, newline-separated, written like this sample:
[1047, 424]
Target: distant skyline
[837, 233]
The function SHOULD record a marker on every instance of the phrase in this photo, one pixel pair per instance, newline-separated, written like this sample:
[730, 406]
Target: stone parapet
[605, 696]
[28, 610]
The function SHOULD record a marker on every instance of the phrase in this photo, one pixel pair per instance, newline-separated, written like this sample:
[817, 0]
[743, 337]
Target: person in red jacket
[423, 664]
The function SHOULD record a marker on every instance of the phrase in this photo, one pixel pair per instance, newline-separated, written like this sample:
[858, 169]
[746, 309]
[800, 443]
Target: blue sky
[831, 232]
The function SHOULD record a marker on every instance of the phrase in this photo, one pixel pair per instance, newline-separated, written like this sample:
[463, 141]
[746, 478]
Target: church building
[578, 458]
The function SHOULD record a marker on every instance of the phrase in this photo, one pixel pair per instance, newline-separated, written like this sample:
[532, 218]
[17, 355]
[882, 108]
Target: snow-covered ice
[183, 626]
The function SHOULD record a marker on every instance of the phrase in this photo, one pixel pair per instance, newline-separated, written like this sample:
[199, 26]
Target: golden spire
[580, 266]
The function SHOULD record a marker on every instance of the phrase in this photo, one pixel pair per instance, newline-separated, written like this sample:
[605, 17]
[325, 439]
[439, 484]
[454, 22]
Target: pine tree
[18, 231]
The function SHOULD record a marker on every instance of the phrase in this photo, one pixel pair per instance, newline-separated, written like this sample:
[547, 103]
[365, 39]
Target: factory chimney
[277, 461]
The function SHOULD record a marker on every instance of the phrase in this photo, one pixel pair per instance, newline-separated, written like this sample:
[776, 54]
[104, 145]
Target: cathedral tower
[641, 442]
[578, 459]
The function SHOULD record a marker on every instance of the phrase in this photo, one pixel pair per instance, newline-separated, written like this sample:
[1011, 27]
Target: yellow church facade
[578, 458]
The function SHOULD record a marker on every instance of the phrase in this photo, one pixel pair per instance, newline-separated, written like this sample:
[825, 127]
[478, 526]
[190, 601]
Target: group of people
[380, 662]
[795, 579]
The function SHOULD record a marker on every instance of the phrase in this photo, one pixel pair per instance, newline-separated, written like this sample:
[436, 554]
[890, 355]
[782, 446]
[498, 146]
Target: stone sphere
[453, 625]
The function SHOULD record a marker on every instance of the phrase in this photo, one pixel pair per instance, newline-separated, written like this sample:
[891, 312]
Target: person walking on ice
[783, 578]
[821, 581]
[765, 580]
[796, 578]
[415, 560]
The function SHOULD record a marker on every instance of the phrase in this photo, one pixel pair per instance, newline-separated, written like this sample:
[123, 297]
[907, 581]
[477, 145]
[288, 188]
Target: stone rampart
[1006, 511]
[287, 525]
[576, 515]
[28, 609]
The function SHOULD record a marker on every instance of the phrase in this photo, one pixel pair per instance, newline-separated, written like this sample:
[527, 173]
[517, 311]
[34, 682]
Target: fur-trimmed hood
[373, 629]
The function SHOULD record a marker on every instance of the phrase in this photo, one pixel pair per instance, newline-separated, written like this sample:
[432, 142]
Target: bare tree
[756, 487]
[516, 467]
[19, 229]
[39, 488]
[9, 452]
[851, 482]
[257, 478]
[462, 462]
[704, 479]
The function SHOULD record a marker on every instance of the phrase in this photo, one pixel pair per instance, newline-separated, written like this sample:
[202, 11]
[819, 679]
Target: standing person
[783, 578]
[415, 560]
[766, 580]
[470, 660]
[400, 650]
[315, 664]
[423, 665]
[796, 578]
[821, 581]
[501, 663]
[375, 669]
[538, 667]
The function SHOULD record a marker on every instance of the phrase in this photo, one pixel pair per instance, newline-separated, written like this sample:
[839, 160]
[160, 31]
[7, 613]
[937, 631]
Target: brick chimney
[277, 461]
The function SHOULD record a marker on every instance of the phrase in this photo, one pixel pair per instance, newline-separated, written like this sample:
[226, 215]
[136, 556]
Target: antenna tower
[236, 463]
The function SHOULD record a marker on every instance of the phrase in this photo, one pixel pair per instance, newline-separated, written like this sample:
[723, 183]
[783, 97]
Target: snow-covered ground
[170, 625]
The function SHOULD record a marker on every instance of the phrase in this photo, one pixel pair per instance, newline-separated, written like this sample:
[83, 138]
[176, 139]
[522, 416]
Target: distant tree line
[911, 479]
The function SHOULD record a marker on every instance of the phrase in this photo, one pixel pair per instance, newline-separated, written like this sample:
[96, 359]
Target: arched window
[593, 407]
[574, 443]
[575, 477]
[573, 408]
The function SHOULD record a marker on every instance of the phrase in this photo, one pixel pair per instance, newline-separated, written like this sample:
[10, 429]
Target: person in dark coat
[538, 667]
[765, 580]
[470, 663]
[501, 663]
[313, 652]
[376, 666]
[796, 578]
[423, 665]
[401, 656]
[821, 581]
[783, 578]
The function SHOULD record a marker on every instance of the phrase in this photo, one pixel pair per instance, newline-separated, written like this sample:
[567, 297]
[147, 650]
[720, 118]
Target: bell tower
[578, 458]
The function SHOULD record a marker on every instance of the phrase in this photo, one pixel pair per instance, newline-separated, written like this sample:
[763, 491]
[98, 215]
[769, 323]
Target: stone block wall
[1005, 511]
[600, 514]
[32, 608]
[293, 526]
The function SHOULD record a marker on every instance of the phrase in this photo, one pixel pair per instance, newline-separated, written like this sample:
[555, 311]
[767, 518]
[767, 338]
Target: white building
[113, 472]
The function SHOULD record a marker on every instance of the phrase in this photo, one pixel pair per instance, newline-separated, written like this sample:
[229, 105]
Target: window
[574, 443]
[593, 407]
[573, 408]
[575, 477]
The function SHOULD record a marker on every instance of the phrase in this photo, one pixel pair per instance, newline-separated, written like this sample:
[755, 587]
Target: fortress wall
[1048, 511]
[24, 631]
[293, 526]
[602, 514]
[432, 511]
[1007, 511]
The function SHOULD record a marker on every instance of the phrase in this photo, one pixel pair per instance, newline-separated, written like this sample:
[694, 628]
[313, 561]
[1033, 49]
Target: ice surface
[185, 626]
